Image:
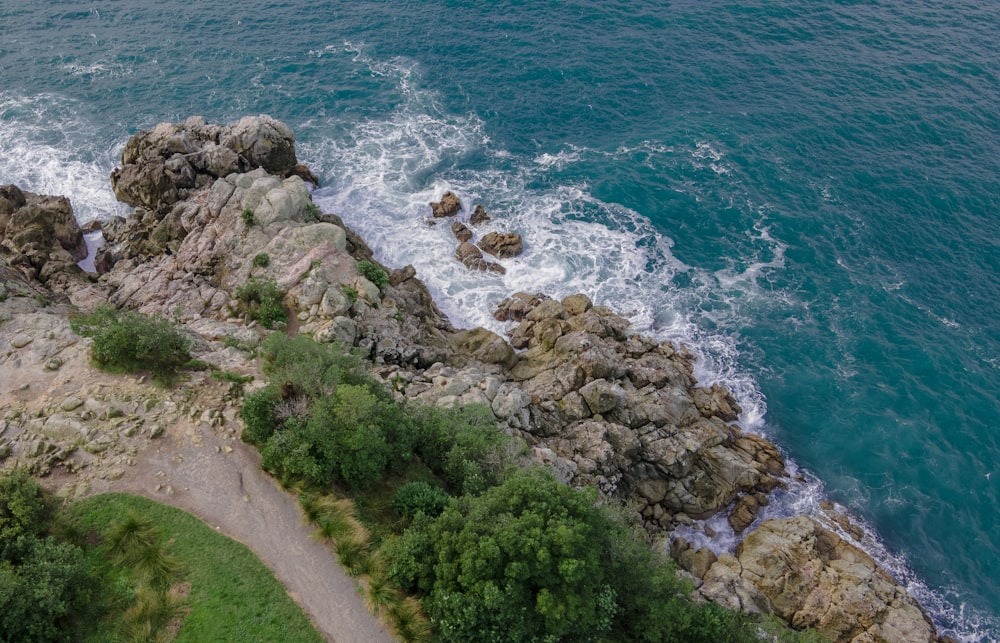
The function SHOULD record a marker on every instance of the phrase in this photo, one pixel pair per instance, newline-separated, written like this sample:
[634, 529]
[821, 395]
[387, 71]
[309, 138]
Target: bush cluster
[44, 583]
[325, 420]
[128, 341]
[262, 301]
[374, 273]
[493, 552]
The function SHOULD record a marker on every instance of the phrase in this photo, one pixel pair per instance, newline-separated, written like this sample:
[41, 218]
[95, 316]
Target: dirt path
[220, 481]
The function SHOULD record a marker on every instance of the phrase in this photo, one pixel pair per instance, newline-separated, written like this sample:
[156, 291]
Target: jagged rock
[479, 216]
[305, 174]
[472, 258]
[602, 396]
[576, 304]
[39, 231]
[448, 206]
[263, 142]
[696, 562]
[502, 245]
[461, 231]
[517, 306]
[743, 513]
[161, 166]
[485, 346]
[811, 577]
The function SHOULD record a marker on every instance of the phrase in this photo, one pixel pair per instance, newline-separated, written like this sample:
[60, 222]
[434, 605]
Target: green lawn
[233, 596]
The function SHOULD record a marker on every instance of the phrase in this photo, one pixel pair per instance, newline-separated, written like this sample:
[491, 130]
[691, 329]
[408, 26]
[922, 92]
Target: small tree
[521, 562]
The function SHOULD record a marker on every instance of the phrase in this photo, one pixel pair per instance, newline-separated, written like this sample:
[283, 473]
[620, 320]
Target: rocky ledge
[601, 405]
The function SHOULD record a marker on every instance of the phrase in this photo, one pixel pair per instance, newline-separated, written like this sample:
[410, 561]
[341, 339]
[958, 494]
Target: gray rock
[602, 396]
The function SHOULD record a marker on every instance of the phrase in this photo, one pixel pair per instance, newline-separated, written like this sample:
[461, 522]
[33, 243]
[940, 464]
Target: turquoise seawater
[807, 194]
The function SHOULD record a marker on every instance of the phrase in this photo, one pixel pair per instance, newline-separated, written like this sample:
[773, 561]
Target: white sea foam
[47, 147]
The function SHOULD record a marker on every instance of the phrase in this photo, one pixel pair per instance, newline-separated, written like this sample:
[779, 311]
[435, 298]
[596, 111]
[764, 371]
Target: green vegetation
[247, 216]
[313, 210]
[351, 293]
[45, 585]
[163, 553]
[262, 260]
[128, 341]
[262, 301]
[374, 273]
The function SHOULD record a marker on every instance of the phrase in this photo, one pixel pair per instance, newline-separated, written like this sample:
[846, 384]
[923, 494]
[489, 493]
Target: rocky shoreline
[600, 405]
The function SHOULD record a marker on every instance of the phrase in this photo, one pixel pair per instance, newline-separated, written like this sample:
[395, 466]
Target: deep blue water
[808, 194]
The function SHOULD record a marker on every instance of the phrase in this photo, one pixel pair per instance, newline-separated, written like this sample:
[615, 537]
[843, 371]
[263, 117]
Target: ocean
[805, 194]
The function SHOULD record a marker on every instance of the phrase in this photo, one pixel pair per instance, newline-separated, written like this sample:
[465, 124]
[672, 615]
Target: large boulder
[448, 206]
[811, 577]
[163, 165]
[502, 245]
[263, 142]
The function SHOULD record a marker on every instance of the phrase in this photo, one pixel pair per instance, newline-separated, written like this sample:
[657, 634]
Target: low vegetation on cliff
[494, 549]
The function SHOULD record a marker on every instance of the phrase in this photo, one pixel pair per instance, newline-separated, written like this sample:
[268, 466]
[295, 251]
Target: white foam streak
[47, 148]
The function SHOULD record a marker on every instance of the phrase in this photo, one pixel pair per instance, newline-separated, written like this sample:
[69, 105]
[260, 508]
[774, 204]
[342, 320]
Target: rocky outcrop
[163, 165]
[448, 206]
[502, 245]
[472, 258]
[479, 216]
[39, 233]
[811, 577]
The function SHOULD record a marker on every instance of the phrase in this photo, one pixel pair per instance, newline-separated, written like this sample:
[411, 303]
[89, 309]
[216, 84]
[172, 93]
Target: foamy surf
[47, 147]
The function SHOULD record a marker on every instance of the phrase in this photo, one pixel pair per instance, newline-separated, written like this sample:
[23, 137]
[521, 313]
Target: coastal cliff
[600, 405]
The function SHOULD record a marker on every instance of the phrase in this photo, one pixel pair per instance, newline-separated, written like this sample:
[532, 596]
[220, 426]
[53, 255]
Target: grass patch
[232, 595]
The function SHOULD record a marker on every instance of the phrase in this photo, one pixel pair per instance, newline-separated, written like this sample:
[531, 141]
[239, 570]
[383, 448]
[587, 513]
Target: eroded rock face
[39, 233]
[809, 576]
[163, 165]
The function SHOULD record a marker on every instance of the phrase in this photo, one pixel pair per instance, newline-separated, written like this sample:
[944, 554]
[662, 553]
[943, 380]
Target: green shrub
[420, 497]
[521, 562]
[262, 301]
[128, 341]
[247, 216]
[262, 260]
[258, 415]
[373, 273]
[462, 446]
[313, 210]
[351, 293]
[44, 584]
[23, 511]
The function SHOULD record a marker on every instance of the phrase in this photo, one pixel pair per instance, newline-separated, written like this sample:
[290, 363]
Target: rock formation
[599, 404]
[502, 245]
[448, 206]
